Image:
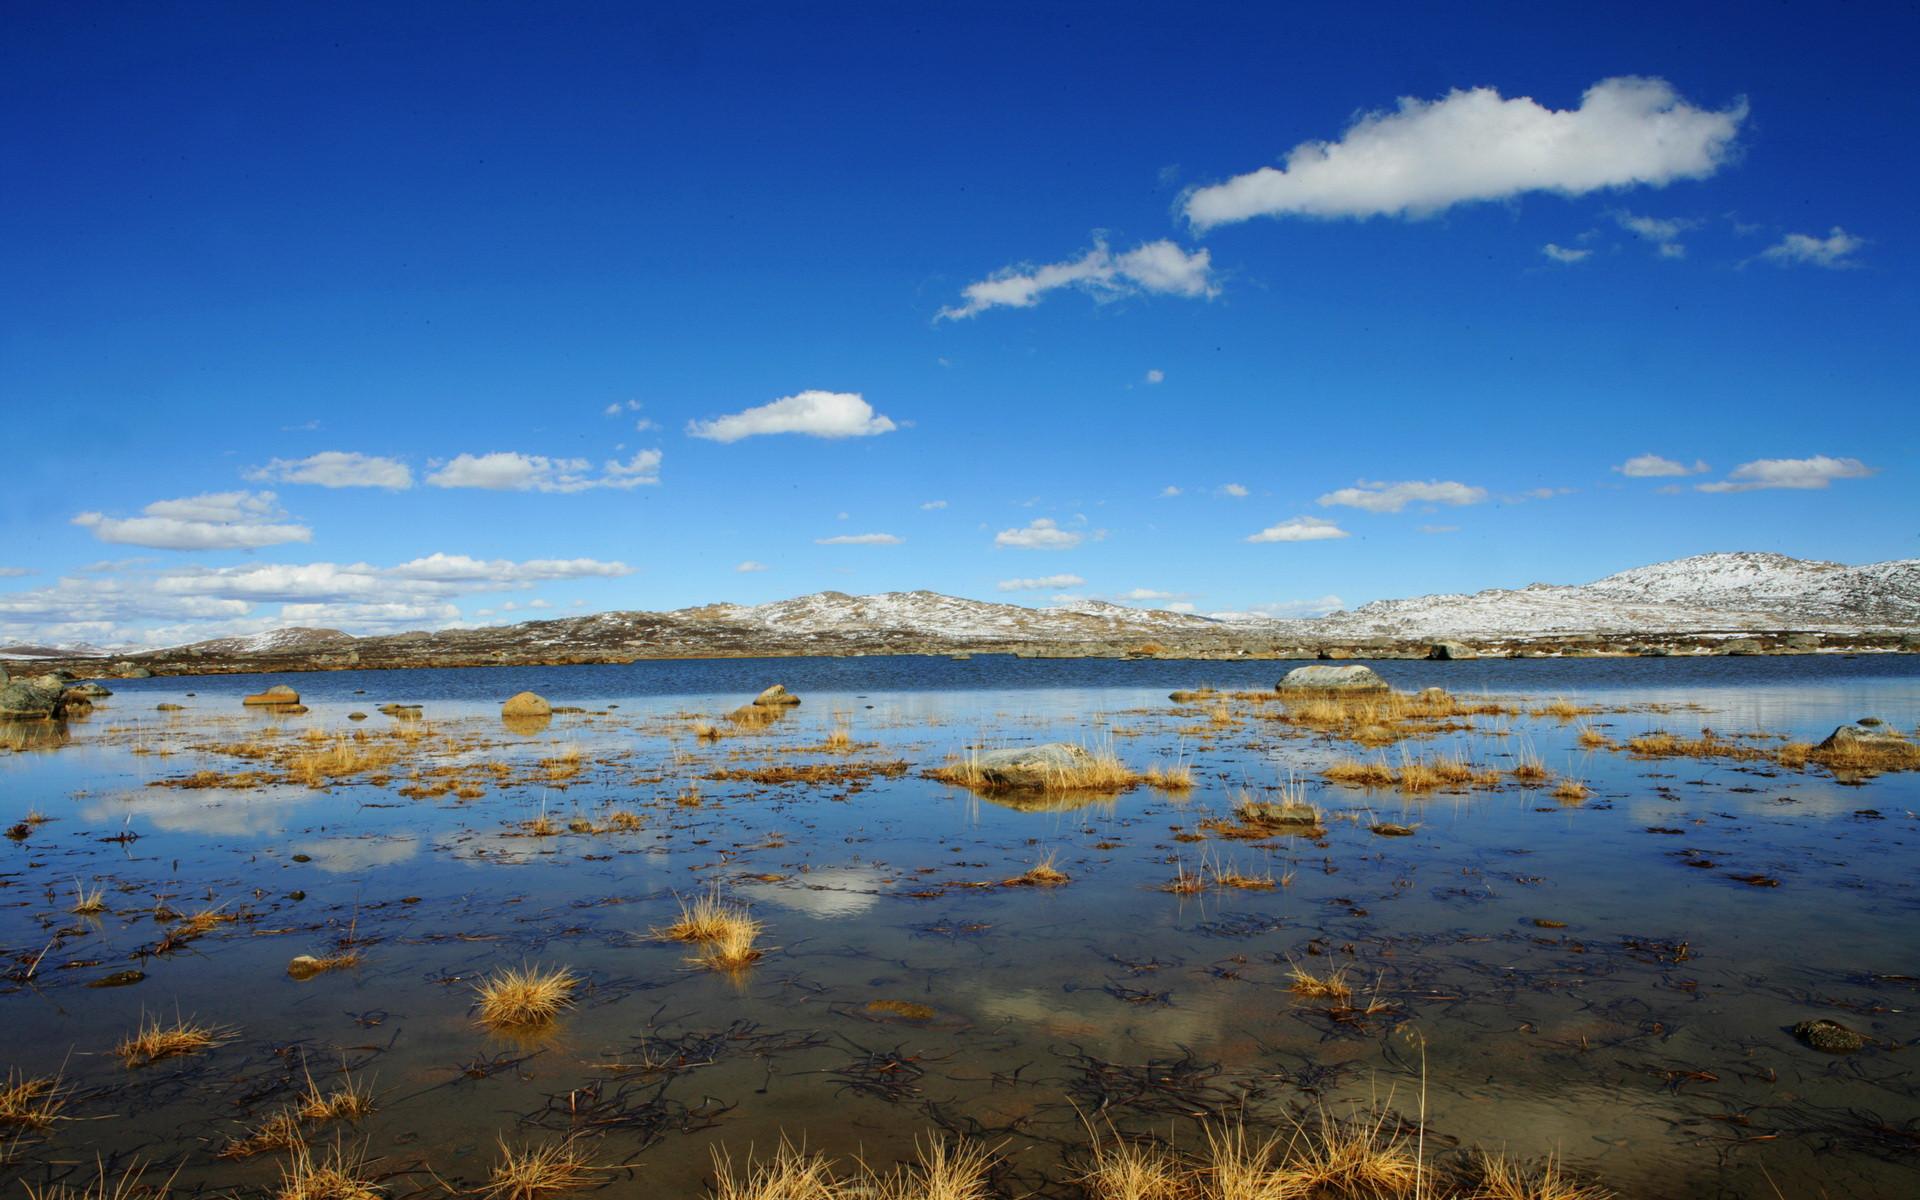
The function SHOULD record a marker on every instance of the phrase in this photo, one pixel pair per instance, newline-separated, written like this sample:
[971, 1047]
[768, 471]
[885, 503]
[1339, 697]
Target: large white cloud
[1157, 267]
[1797, 473]
[1383, 497]
[509, 471]
[813, 412]
[337, 469]
[213, 521]
[1043, 534]
[1299, 529]
[1474, 145]
[1835, 250]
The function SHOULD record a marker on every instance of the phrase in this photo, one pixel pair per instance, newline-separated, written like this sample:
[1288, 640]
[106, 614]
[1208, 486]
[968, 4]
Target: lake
[1613, 979]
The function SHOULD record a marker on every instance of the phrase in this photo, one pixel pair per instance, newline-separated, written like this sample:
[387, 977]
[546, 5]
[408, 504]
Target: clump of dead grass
[1175, 777]
[536, 1172]
[340, 1175]
[1044, 873]
[526, 996]
[32, 1101]
[153, 1041]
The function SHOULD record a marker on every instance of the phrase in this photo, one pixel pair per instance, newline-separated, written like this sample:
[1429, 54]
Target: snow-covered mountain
[931, 614]
[1737, 591]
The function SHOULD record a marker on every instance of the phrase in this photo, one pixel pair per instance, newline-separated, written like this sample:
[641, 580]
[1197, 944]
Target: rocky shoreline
[527, 645]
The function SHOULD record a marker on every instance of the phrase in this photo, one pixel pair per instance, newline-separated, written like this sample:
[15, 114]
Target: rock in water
[1030, 766]
[1450, 652]
[32, 699]
[305, 966]
[1332, 679]
[526, 704]
[92, 691]
[775, 696]
[1867, 734]
[279, 693]
[1829, 1037]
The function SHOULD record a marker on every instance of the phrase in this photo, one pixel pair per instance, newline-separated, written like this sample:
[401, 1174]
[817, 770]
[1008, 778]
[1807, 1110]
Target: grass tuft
[154, 1041]
[524, 997]
[535, 1172]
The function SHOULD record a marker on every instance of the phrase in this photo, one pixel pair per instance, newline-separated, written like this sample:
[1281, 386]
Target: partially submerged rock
[1279, 814]
[1030, 766]
[1332, 679]
[92, 691]
[169, 708]
[1829, 1037]
[305, 966]
[775, 697]
[279, 693]
[1451, 651]
[403, 712]
[1868, 733]
[526, 704]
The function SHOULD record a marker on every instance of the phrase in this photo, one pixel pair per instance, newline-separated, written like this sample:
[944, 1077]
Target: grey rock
[279, 693]
[1450, 651]
[775, 696]
[32, 699]
[1862, 734]
[92, 691]
[1741, 646]
[1332, 679]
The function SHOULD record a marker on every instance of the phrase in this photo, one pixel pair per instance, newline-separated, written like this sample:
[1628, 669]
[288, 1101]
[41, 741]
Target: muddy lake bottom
[1612, 980]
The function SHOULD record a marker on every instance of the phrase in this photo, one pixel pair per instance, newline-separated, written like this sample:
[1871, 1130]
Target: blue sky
[1406, 304]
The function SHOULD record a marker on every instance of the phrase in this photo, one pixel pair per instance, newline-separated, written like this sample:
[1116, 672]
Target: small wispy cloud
[750, 566]
[1041, 583]
[1835, 251]
[1237, 490]
[1563, 254]
[933, 505]
[860, 539]
[1299, 529]
[811, 413]
[1381, 497]
[211, 521]
[336, 469]
[1156, 375]
[1653, 466]
[510, 471]
[1044, 533]
[1156, 268]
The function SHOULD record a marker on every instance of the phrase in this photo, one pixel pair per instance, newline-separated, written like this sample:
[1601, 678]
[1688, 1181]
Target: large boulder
[775, 697]
[92, 691]
[1450, 651]
[526, 704]
[1742, 646]
[35, 699]
[1030, 766]
[130, 670]
[279, 693]
[1354, 678]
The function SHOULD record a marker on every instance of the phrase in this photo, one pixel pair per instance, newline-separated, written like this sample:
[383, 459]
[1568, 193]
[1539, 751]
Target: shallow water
[1646, 1041]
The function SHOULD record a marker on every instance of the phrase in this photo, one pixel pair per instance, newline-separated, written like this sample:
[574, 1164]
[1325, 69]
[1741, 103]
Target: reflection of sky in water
[1021, 978]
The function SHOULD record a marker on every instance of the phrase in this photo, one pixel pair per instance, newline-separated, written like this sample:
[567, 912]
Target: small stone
[304, 966]
[1829, 1037]
[278, 694]
[776, 696]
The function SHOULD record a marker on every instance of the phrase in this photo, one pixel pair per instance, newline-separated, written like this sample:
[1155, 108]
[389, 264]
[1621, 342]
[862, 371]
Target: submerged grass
[153, 1041]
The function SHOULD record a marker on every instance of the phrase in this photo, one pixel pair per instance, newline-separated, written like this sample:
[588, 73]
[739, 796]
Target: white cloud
[1439, 529]
[1154, 267]
[1043, 534]
[1041, 583]
[1382, 497]
[14, 572]
[1652, 466]
[1237, 490]
[337, 469]
[860, 539]
[1299, 529]
[1141, 594]
[814, 413]
[1317, 607]
[1182, 606]
[1835, 250]
[213, 521]
[1156, 375]
[931, 505]
[1798, 473]
[1170, 490]
[1474, 146]
[750, 566]
[508, 471]
[1563, 255]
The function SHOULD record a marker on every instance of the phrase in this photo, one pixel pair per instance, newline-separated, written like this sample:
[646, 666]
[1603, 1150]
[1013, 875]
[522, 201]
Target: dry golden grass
[941, 1170]
[1529, 768]
[201, 923]
[341, 1175]
[88, 902]
[279, 1132]
[32, 1101]
[1220, 714]
[706, 731]
[839, 740]
[1169, 777]
[535, 1172]
[128, 1184]
[1332, 985]
[1571, 791]
[524, 997]
[1592, 739]
[623, 820]
[1500, 1179]
[344, 758]
[154, 1041]
[689, 796]
[1042, 874]
[701, 921]
[791, 1174]
[541, 826]
[1862, 757]
[1185, 882]
[1383, 718]
[1354, 773]
[349, 1101]
[1123, 1170]
[1099, 772]
[1562, 709]
[1230, 876]
[732, 949]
